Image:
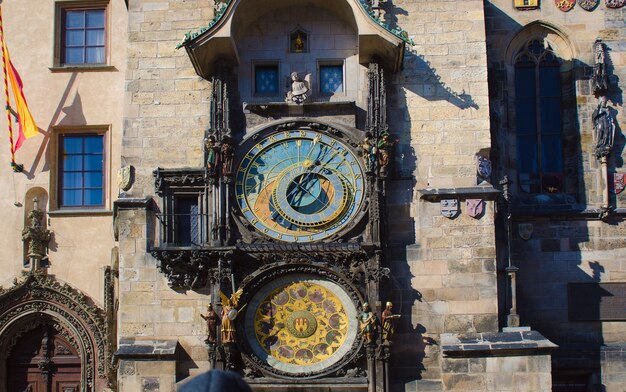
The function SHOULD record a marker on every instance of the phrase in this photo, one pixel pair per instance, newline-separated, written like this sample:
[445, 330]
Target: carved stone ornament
[525, 230]
[125, 177]
[588, 5]
[449, 208]
[483, 167]
[35, 236]
[299, 90]
[475, 207]
[619, 182]
[565, 5]
[41, 300]
[614, 3]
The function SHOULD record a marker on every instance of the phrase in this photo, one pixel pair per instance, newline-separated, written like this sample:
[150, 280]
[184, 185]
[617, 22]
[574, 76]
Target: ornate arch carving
[41, 299]
[558, 40]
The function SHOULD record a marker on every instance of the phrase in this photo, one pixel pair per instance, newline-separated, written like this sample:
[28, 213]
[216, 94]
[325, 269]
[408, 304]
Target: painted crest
[483, 167]
[124, 178]
[619, 182]
[525, 230]
[449, 208]
[475, 207]
[565, 5]
[614, 3]
[588, 5]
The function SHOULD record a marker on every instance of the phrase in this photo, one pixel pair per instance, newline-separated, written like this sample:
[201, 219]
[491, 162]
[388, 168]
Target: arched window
[538, 118]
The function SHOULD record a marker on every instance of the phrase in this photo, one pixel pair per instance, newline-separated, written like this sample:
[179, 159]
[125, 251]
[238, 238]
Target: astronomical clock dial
[299, 186]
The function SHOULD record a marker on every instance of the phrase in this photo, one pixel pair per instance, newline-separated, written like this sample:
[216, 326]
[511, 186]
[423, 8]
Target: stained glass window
[331, 79]
[266, 79]
[81, 181]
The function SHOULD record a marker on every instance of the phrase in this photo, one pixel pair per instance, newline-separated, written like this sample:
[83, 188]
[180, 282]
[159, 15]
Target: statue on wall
[35, 236]
[212, 155]
[227, 153]
[371, 155]
[211, 322]
[600, 79]
[367, 324]
[299, 90]
[604, 126]
[229, 314]
[389, 322]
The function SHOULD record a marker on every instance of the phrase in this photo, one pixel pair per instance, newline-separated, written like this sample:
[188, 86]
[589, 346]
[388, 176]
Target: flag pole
[16, 168]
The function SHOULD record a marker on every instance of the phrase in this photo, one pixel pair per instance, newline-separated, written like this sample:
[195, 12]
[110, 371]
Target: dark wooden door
[43, 361]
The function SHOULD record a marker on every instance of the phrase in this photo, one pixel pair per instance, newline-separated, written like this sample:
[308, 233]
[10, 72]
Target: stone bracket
[474, 192]
[523, 342]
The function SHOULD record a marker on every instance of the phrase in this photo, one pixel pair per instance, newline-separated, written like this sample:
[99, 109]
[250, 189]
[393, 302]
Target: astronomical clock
[283, 228]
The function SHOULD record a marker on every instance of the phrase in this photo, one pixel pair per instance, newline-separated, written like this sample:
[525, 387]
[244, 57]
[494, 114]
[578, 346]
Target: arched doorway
[43, 360]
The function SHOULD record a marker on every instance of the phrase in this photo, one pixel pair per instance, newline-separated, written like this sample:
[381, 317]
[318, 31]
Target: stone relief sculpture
[604, 127]
[299, 89]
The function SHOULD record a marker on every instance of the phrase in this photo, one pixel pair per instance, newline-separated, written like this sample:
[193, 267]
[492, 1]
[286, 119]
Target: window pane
[331, 79]
[93, 144]
[72, 144]
[525, 116]
[551, 116]
[525, 82]
[95, 37]
[72, 180]
[266, 79]
[74, 19]
[551, 154]
[72, 198]
[549, 81]
[527, 154]
[74, 55]
[94, 197]
[72, 162]
[94, 18]
[93, 180]
[94, 55]
[75, 37]
[93, 162]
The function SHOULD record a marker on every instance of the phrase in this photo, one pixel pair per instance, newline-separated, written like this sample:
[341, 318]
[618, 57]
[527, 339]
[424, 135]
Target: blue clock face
[299, 186]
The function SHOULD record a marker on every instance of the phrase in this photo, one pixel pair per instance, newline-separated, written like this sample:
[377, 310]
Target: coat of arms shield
[525, 230]
[475, 207]
[565, 5]
[588, 5]
[449, 208]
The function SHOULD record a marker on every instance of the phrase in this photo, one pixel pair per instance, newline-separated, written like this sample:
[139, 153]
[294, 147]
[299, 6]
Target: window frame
[61, 7]
[331, 63]
[56, 170]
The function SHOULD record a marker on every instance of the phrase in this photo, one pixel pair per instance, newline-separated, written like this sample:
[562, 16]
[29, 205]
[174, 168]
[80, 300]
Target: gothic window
[538, 119]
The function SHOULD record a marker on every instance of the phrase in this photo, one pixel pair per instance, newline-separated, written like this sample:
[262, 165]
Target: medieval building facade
[399, 195]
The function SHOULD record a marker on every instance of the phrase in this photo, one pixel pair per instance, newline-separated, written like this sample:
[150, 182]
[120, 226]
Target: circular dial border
[299, 185]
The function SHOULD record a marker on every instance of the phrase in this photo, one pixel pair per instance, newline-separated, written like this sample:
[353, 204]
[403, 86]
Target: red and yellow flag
[27, 126]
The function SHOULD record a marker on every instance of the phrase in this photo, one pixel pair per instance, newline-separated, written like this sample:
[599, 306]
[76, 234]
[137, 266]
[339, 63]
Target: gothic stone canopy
[219, 41]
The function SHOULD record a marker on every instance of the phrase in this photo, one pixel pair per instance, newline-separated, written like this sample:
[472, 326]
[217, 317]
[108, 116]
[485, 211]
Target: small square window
[81, 33]
[331, 79]
[81, 170]
[266, 79]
